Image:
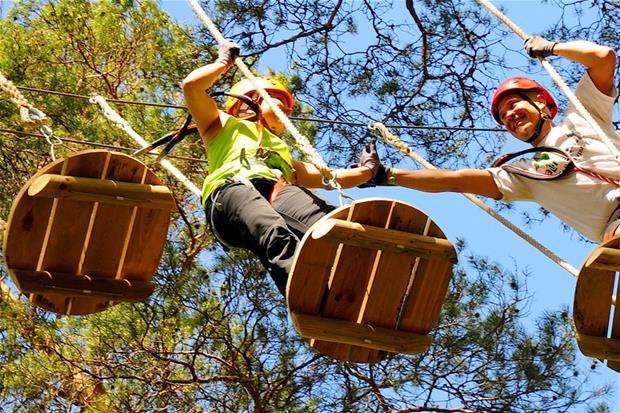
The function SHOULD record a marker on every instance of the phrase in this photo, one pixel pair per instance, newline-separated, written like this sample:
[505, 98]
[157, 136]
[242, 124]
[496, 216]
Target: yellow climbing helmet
[246, 88]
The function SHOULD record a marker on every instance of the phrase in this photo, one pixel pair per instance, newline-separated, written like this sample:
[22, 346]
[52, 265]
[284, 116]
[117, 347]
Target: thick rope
[15, 96]
[302, 142]
[122, 124]
[29, 114]
[406, 150]
[558, 80]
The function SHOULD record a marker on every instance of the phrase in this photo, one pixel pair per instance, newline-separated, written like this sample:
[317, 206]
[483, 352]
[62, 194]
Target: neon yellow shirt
[233, 153]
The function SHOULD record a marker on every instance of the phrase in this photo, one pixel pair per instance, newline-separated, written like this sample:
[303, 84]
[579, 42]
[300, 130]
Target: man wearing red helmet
[582, 195]
[254, 195]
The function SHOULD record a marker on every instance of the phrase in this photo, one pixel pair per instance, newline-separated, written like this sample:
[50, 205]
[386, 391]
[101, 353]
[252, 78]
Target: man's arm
[474, 181]
[600, 60]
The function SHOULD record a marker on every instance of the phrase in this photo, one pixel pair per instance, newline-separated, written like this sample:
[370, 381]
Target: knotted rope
[406, 150]
[29, 114]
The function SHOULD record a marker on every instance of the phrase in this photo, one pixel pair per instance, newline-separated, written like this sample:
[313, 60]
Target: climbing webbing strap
[558, 80]
[549, 163]
[302, 143]
[408, 151]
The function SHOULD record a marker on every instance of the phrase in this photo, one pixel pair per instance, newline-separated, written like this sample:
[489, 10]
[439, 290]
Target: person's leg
[243, 218]
[301, 205]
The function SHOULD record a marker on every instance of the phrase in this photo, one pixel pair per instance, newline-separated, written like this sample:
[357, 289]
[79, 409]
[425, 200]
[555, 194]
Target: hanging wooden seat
[595, 313]
[88, 231]
[370, 278]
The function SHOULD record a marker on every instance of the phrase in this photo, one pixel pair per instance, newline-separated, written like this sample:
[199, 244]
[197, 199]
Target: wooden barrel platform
[370, 278]
[87, 231]
[595, 313]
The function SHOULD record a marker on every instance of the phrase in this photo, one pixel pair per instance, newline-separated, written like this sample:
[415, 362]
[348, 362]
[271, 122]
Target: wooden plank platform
[76, 226]
[596, 317]
[352, 289]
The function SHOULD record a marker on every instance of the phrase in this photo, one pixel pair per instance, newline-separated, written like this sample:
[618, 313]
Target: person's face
[519, 116]
[272, 122]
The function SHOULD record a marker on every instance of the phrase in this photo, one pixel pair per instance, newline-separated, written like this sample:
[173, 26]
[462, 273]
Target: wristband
[553, 47]
[391, 180]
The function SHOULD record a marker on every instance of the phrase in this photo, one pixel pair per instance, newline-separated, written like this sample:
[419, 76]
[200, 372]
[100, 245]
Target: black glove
[537, 46]
[227, 52]
[370, 159]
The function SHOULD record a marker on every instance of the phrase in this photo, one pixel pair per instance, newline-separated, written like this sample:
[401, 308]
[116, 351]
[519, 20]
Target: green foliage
[215, 336]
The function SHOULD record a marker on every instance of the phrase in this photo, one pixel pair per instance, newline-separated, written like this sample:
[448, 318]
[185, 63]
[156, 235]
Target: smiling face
[272, 122]
[520, 117]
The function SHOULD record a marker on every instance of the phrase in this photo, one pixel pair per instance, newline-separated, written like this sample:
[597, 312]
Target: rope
[302, 142]
[298, 118]
[406, 150]
[29, 114]
[122, 124]
[99, 145]
[558, 80]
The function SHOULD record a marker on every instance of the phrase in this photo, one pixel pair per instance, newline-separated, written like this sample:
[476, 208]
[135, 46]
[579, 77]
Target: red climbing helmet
[246, 88]
[524, 84]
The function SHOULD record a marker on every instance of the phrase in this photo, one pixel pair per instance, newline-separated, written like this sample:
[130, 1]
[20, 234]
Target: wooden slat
[428, 292]
[311, 270]
[69, 228]
[63, 304]
[350, 276]
[360, 335]
[385, 297]
[83, 286]
[367, 236]
[615, 332]
[112, 224]
[102, 190]
[599, 347]
[26, 227]
[146, 244]
[604, 258]
[592, 305]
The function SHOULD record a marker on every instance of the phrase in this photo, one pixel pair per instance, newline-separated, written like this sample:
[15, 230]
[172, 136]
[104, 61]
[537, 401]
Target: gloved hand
[537, 46]
[370, 159]
[227, 52]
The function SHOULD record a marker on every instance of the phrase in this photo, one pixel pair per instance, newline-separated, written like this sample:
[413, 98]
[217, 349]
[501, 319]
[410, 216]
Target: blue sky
[552, 286]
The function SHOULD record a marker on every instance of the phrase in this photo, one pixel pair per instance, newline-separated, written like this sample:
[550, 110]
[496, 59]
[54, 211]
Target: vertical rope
[558, 80]
[406, 150]
[122, 124]
[302, 142]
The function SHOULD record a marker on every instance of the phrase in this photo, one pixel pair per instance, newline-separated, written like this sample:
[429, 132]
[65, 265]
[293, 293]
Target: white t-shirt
[583, 202]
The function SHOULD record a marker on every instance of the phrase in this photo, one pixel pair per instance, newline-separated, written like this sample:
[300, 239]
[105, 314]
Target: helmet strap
[542, 117]
[245, 99]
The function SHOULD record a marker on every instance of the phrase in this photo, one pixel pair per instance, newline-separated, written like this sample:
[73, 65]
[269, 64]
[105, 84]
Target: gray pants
[240, 216]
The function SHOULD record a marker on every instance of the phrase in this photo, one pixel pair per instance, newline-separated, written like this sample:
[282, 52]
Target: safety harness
[549, 163]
